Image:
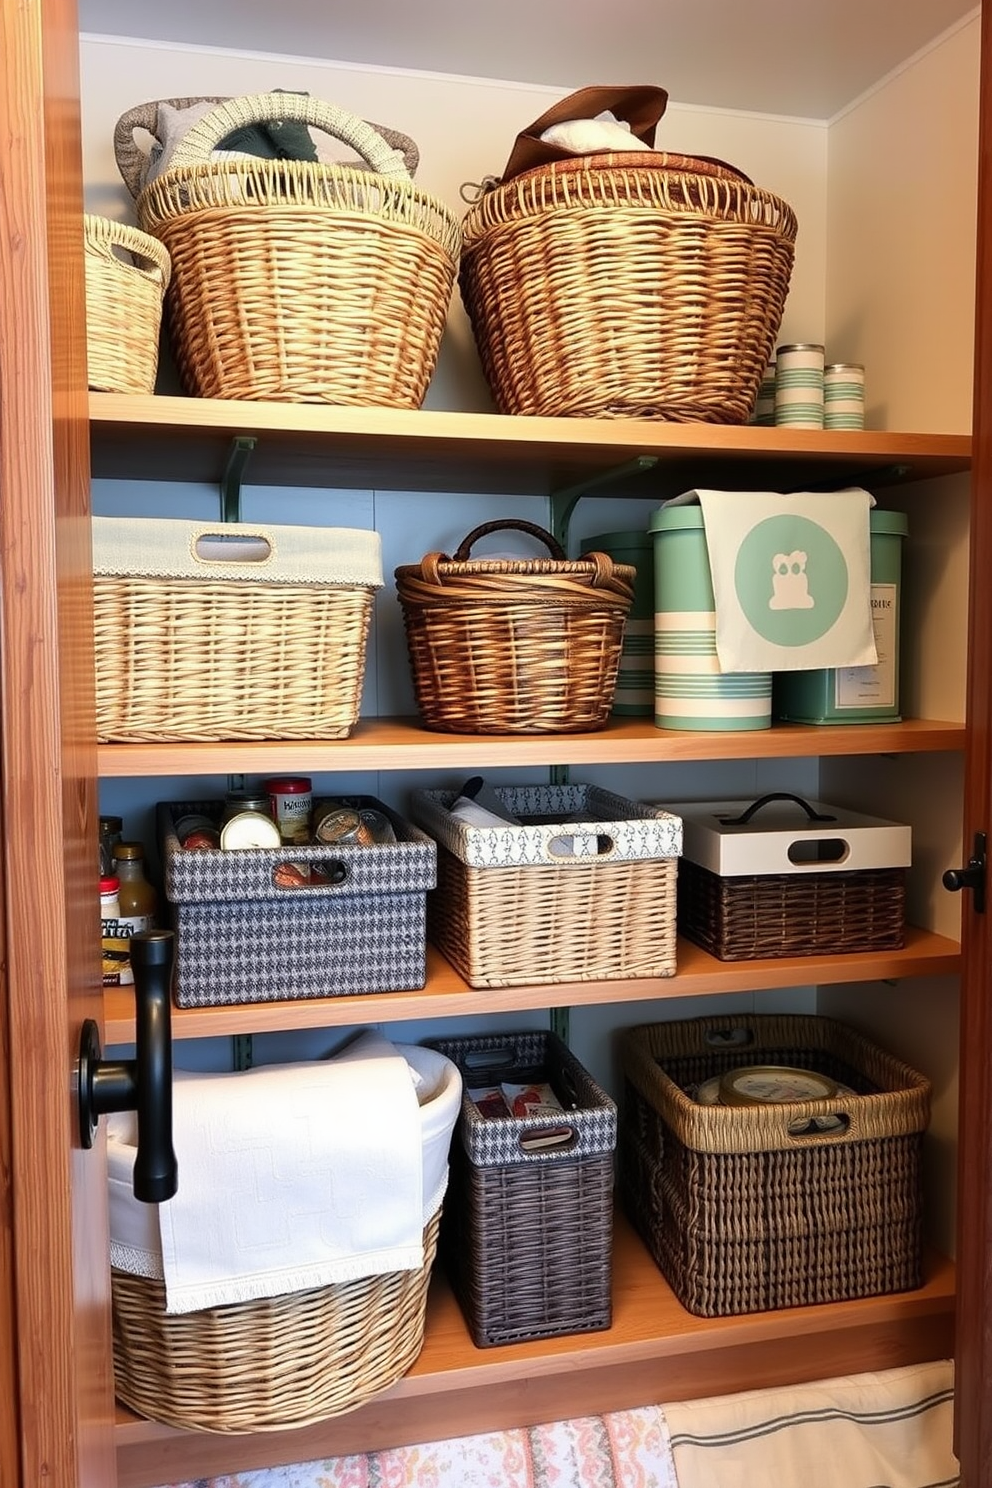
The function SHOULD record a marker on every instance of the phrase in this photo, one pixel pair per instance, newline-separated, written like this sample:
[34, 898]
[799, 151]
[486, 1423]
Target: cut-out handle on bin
[729, 1038]
[762, 801]
[297, 876]
[805, 1127]
[240, 547]
[548, 1139]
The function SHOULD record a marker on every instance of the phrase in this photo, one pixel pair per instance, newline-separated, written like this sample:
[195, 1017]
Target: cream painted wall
[902, 175]
[464, 128]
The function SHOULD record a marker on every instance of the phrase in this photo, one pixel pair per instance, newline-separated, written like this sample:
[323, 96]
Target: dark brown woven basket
[501, 645]
[527, 1236]
[782, 914]
[753, 1208]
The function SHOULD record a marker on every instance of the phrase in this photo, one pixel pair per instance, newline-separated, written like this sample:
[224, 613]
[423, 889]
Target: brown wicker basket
[752, 1208]
[616, 286]
[123, 305]
[301, 282]
[527, 1234]
[268, 1364]
[526, 646]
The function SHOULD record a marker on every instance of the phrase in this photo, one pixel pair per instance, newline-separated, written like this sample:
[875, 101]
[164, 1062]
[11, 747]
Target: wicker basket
[751, 1208]
[301, 282]
[200, 639]
[123, 305]
[243, 936]
[528, 1230]
[510, 911]
[514, 646]
[616, 286]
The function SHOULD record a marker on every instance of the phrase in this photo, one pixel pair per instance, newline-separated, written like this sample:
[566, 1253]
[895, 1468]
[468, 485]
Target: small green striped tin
[634, 695]
[690, 691]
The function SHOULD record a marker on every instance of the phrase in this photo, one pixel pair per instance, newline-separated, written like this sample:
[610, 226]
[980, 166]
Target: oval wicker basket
[502, 646]
[123, 305]
[302, 282]
[616, 286]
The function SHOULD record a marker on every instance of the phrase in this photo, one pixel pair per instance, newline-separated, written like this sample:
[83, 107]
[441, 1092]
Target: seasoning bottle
[138, 899]
[110, 907]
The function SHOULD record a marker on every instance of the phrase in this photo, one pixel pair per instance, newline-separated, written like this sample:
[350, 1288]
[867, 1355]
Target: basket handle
[255, 108]
[103, 236]
[510, 524]
[132, 161]
[756, 806]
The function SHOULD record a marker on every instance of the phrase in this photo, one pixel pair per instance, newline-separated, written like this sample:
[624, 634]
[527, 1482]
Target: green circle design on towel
[791, 580]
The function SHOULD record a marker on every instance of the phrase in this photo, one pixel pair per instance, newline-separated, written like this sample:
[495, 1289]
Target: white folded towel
[291, 1177]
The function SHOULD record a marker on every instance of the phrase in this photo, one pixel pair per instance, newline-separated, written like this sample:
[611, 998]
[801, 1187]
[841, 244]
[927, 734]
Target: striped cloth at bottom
[890, 1429]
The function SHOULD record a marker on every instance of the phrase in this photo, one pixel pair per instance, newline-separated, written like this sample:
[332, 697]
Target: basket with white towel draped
[287, 1280]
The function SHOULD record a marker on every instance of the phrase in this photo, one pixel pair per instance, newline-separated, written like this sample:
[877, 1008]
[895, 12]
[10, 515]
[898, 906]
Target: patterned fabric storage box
[527, 1231]
[248, 932]
[230, 631]
[756, 1207]
[584, 890]
[781, 876]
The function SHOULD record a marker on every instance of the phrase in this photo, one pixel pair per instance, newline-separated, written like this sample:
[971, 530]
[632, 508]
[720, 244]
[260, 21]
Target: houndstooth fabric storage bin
[242, 936]
[527, 1231]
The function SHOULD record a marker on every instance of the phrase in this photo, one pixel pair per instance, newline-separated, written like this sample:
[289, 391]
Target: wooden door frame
[60, 1254]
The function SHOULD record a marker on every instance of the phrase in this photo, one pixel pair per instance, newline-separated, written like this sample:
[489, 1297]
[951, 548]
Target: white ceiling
[799, 57]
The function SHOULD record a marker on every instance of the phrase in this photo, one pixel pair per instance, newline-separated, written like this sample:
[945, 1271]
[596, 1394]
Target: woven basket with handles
[627, 286]
[127, 274]
[301, 282]
[506, 645]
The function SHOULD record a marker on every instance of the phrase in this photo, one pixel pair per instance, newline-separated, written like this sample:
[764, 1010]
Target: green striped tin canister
[634, 695]
[799, 386]
[690, 690]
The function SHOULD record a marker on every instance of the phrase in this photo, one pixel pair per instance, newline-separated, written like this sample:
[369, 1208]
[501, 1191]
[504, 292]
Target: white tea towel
[893, 1427]
[791, 578]
[292, 1177]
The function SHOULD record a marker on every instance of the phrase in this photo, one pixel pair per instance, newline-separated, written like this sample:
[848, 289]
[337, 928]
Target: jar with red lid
[292, 800]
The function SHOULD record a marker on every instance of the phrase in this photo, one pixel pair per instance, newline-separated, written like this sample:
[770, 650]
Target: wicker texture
[742, 1214]
[528, 1242]
[241, 937]
[783, 914]
[506, 645]
[268, 1364]
[605, 289]
[298, 282]
[123, 305]
[190, 660]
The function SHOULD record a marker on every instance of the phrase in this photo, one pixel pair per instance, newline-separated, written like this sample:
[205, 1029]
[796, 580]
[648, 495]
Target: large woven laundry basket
[298, 281]
[127, 274]
[630, 285]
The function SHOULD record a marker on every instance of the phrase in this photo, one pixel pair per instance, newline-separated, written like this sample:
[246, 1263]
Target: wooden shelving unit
[654, 1349]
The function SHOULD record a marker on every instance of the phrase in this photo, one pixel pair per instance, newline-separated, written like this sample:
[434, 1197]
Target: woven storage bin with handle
[301, 282]
[617, 286]
[591, 899]
[123, 305]
[752, 1208]
[507, 645]
[528, 1227]
[230, 631]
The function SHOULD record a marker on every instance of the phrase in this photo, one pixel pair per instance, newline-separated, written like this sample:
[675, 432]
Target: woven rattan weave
[273, 1363]
[749, 1208]
[123, 305]
[301, 282]
[606, 288]
[503, 645]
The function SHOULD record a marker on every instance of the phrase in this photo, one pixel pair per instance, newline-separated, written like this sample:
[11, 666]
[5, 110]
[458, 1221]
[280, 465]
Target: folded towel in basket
[294, 1176]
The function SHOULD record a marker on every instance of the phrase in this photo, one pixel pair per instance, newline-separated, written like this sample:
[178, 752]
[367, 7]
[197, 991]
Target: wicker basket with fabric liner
[127, 274]
[301, 282]
[757, 1207]
[640, 284]
[507, 645]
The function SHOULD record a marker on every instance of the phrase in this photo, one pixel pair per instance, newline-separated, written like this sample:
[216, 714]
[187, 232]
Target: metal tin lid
[250, 829]
[844, 367]
[342, 825]
[774, 1084]
[606, 541]
[799, 346]
[668, 517]
[886, 522]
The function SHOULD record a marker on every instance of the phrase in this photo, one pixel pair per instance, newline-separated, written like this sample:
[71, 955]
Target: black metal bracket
[563, 501]
[233, 478]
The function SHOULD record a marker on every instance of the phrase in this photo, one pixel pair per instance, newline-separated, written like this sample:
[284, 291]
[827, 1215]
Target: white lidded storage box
[781, 876]
[230, 631]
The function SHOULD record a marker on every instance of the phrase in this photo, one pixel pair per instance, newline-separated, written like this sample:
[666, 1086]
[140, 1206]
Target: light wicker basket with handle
[123, 305]
[302, 282]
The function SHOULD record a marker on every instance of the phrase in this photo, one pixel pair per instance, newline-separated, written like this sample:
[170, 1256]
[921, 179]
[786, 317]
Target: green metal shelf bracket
[233, 477]
[563, 502]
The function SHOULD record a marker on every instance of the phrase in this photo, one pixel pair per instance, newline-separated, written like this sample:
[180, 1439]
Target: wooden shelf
[655, 1351]
[402, 744]
[135, 437]
[447, 995]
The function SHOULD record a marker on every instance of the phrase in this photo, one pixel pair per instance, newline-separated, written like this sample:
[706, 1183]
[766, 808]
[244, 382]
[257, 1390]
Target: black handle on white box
[755, 807]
